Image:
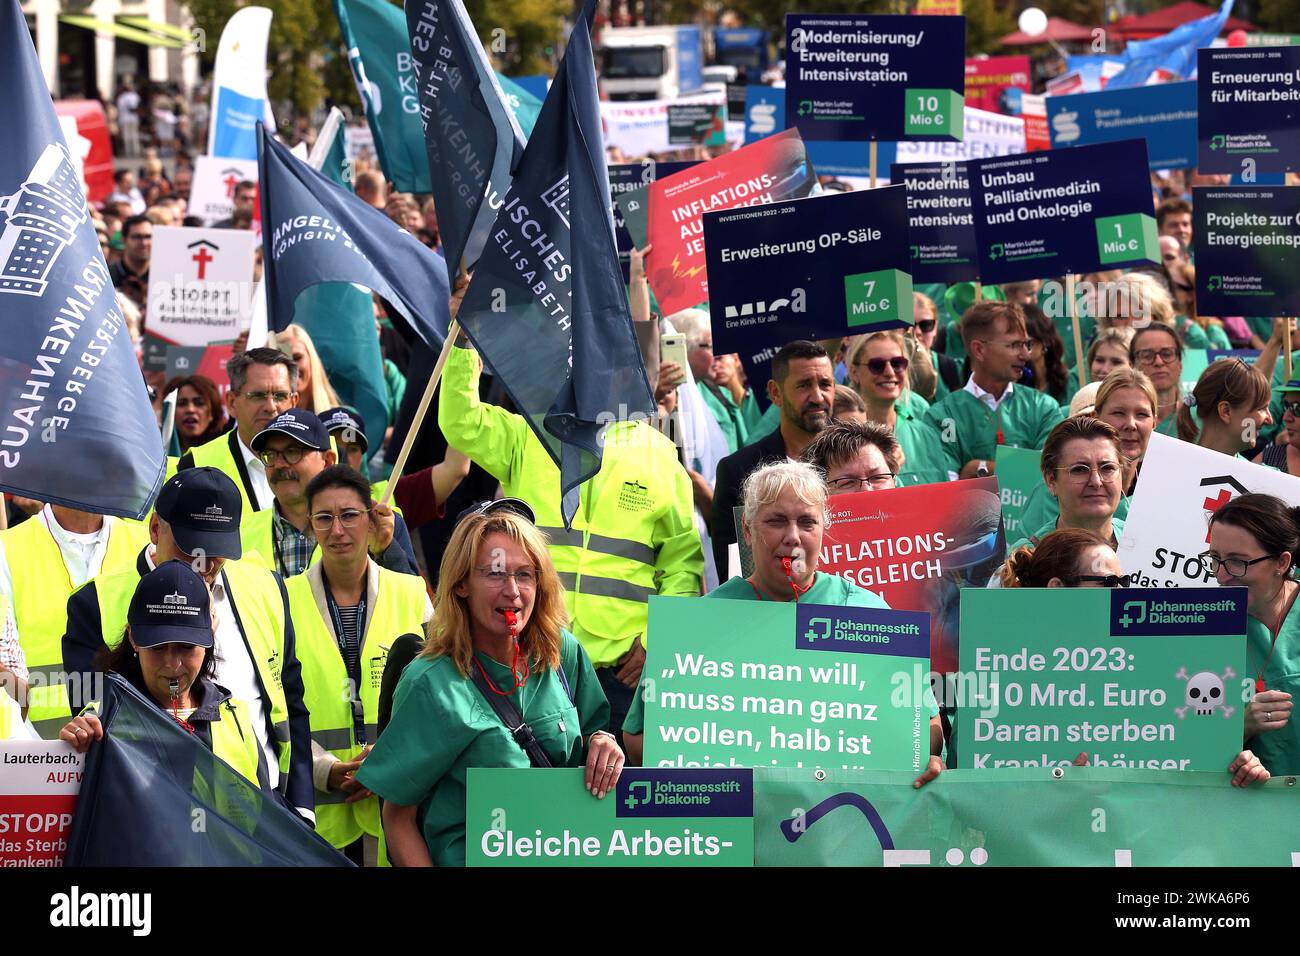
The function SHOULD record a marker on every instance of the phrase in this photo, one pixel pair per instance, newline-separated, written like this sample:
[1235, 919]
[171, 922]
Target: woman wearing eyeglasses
[1228, 408]
[499, 653]
[347, 611]
[878, 370]
[1254, 540]
[1157, 351]
[1083, 470]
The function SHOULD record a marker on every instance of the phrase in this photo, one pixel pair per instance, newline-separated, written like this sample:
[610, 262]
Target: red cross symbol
[231, 180]
[203, 257]
[1214, 504]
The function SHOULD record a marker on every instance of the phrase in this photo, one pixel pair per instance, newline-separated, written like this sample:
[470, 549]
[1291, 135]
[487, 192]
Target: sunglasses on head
[876, 366]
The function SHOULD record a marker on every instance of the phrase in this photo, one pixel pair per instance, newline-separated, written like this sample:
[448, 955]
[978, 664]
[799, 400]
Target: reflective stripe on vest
[41, 588]
[398, 609]
[605, 587]
[600, 544]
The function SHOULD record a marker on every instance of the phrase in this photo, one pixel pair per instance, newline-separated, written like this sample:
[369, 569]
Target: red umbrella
[1160, 22]
[1061, 31]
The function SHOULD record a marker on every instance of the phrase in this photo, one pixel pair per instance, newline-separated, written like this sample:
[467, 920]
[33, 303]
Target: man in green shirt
[991, 410]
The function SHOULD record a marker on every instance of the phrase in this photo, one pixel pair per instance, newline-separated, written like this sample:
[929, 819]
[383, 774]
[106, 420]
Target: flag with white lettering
[314, 231]
[76, 426]
[472, 138]
[547, 308]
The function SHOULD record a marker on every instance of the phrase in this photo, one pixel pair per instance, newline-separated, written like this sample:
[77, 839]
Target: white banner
[640, 127]
[986, 134]
[239, 97]
[212, 196]
[39, 783]
[1179, 487]
[200, 284]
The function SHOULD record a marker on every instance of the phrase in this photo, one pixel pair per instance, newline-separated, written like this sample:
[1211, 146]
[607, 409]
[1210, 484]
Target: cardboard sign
[772, 170]
[1019, 473]
[1131, 677]
[987, 78]
[1249, 104]
[640, 127]
[212, 195]
[1163, 114]
[632, 180]
[39, 783]
[941, 225]
[985, 135]
[864, 77]
[807, 269]
[765, 115]
[697, 124]
[1247, 250]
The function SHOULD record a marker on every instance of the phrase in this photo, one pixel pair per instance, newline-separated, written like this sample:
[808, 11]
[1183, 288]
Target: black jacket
[732, 471]
[84, 642]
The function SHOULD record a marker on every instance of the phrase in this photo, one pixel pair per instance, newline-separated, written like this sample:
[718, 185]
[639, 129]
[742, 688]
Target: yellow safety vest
[634, 532]
[41, 588]
[234, 741]
[254, 594]
[257, 536]
[221, 453]
[398, 608]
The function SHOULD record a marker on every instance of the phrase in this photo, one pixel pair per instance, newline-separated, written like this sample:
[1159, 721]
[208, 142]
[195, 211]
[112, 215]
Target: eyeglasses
[323, 521]
[525, 578]
[291, 455]
[926, 326]
[876, 482]
[1107, 472]
[280, 398]
[1292, 407]
[1104, 580]
[1236, 567]
[876, 366]
[1018, 345]
[1150, 355]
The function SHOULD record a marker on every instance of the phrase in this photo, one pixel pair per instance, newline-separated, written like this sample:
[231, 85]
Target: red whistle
[1259, 685]
[511, 619]
[787, 565]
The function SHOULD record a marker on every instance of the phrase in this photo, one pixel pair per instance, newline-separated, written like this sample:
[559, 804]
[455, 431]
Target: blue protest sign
[76, 426]
[807, 269]
[765, 115]
[1249, 110]
[629, 177]
[1247, 250]
[858, 77]
[1164, 114]
[940, 223]
[1068, 210]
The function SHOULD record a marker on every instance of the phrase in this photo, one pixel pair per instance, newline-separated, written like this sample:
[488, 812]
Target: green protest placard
[651, 818]
[1148, 679]
[747, 684]
[1018, 474]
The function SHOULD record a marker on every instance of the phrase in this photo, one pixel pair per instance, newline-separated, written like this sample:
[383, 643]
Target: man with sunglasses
[293, 449]
[263, 383]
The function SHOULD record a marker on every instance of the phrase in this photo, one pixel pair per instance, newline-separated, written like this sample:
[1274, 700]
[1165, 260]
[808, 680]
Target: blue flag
[1174, 52]
[76, 426]
[547, 308]
[147, 783]
[314, 230]
[472, 138]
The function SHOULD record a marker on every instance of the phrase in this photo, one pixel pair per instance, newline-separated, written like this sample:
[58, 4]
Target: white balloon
[1033, 22]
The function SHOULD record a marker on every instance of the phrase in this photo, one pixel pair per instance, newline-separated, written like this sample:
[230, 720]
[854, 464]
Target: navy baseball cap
[203, 507]
[341, 419]
[170, 606]
[300, 425]
[515, 505]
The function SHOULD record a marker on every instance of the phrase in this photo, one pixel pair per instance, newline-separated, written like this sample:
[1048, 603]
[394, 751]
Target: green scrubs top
[1025, 417]
[727, 413]
[1169, 426]
[940, 387]
[826, 589]
[1116, 524]
[1194, 336]
[442, 726]
[768, 423]
[1279, 750]
[1217, 336]
[924, 459]
[914, 403]
[1042, 508]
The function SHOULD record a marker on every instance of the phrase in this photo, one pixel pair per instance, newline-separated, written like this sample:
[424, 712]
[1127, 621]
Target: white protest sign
[39, 783]
[212, 196]
[1179, 487]
[200, 286]
[640, 127]
[986, 134]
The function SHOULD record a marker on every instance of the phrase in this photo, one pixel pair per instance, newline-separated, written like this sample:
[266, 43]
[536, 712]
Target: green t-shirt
[1025, 418]
[1116, 524]
[1042, 508]
[1278, 750]
[442, 726]
[924, 459]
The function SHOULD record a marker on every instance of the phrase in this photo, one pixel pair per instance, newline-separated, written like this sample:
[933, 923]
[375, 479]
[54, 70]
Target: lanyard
[794, 587]
[358, 712]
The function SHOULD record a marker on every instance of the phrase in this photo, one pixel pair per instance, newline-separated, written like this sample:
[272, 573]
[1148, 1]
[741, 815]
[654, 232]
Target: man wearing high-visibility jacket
[42, 561]
[633, 535]
[197, 520]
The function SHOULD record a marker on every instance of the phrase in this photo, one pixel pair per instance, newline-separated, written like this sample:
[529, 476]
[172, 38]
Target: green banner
[1131, 677]
[758, 683]
[652, 818]
[1018, 474]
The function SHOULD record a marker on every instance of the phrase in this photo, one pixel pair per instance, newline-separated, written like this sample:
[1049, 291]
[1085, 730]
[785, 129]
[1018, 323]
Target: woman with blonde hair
[501, 683]
[314, 390]
[1108, 351]
[1136, 299]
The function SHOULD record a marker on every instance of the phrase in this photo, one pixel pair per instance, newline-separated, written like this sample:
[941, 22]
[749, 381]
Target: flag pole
[873, 164]
[1286, 344]
[1080, 361]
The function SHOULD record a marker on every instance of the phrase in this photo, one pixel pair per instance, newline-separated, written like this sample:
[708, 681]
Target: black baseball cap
[203, 507]
[341, 419]
[170, 606]
[300, 425]
[516, 505]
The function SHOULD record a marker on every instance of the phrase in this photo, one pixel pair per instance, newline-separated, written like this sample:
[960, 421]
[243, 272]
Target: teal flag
[374, 32]
[523, 104]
